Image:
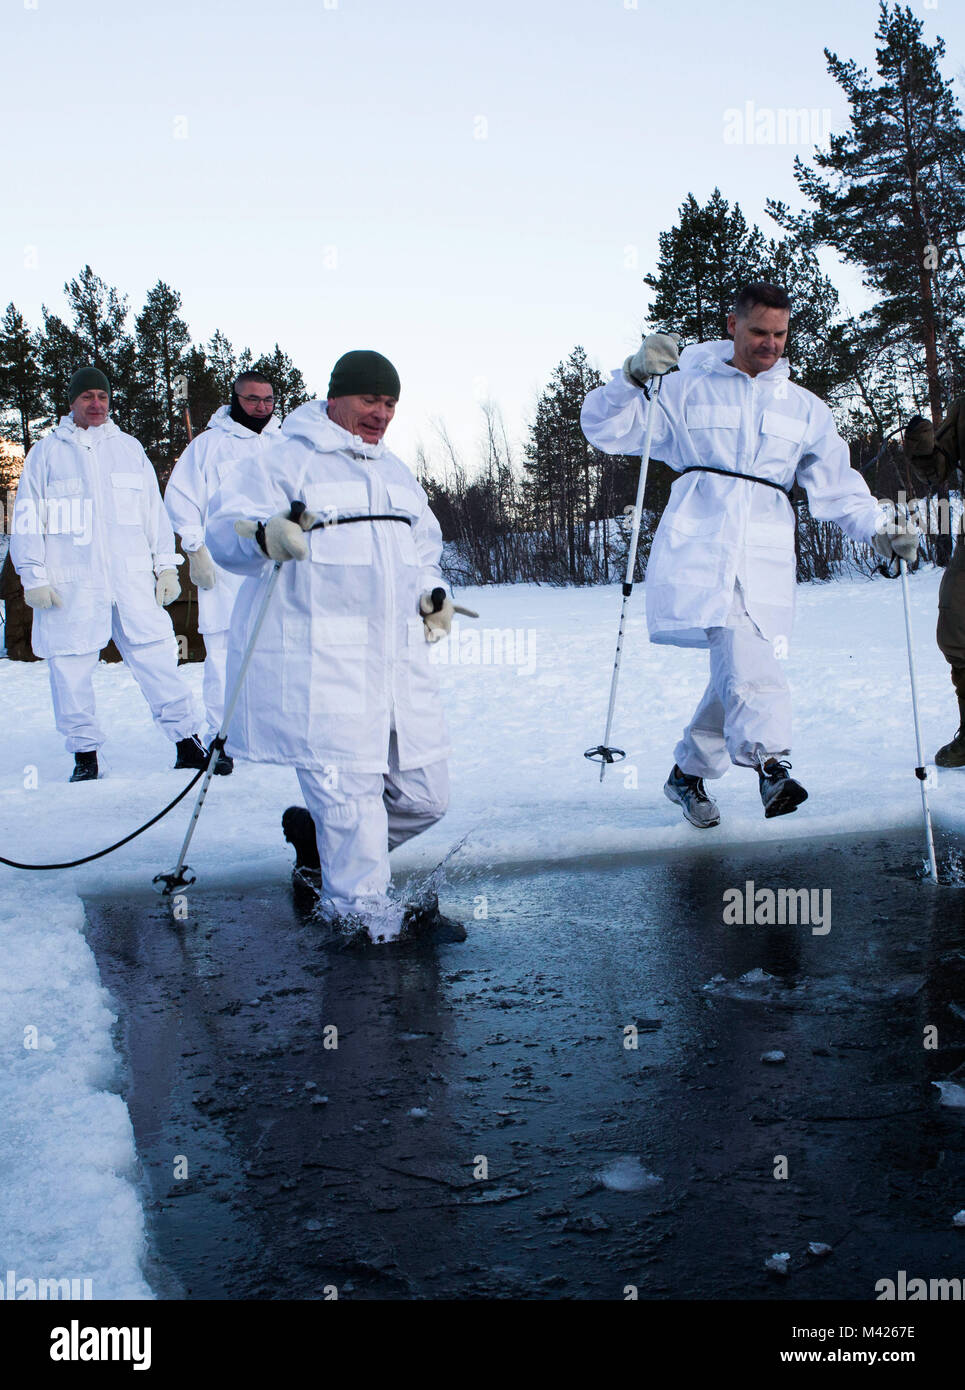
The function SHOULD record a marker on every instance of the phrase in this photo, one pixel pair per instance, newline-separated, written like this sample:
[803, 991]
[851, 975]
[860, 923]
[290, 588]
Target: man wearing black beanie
[94, 550]
[340, 685]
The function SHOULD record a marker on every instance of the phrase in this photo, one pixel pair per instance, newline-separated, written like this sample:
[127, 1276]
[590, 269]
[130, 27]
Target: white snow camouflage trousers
[154, 666]
[744, 714]
[359, 817]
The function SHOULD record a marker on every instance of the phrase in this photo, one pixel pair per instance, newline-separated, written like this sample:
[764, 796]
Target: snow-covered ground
[526, 690]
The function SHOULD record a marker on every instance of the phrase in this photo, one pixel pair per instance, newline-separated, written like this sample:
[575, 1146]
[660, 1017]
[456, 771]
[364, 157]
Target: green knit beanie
[364, 373]
[87, 379]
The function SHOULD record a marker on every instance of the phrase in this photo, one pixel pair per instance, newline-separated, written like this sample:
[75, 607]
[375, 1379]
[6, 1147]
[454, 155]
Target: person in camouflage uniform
[936, 455]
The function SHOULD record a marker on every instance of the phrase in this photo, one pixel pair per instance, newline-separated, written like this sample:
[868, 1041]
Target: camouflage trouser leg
[951, 618]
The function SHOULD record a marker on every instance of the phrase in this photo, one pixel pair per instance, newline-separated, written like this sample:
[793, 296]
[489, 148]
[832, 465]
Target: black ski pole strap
[87, 859]
[729, 473]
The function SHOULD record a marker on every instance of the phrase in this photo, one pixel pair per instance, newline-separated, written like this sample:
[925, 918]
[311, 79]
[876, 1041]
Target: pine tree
[21, 382]
[221, 360]
[703, 261]
[287, 381]
[162, 337]
[889, 196]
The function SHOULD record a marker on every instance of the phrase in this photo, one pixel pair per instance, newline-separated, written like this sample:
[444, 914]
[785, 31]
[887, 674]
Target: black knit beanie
[87, 379]
[364, 373]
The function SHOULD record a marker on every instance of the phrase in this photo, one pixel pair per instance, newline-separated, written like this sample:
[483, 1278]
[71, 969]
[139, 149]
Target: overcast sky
[471, 188]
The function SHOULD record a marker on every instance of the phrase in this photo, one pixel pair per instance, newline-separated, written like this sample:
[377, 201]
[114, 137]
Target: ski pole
[920, 769]
[603, 752]
[177, 878]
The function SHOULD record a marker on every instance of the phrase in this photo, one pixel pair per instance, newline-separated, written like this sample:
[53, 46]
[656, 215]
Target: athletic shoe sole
[788, 799]
[673, 796]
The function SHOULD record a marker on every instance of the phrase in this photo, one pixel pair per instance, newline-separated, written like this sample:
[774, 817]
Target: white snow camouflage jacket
[342, 656]
[717, 530]
[197, 475]
[89, 521]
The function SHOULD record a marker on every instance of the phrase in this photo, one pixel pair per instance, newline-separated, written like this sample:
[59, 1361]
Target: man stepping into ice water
[340, 686]
[722, 567]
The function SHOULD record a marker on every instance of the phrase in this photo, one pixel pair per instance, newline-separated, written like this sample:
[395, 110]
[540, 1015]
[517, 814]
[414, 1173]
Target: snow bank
[526, 690]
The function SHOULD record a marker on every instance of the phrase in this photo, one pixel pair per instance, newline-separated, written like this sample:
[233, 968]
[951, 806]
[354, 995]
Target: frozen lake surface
[573, 1101]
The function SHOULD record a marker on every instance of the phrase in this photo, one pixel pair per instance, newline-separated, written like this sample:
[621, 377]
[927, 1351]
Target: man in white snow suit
[340, 686]
[721, 572]
[94, 550]
[244, 427]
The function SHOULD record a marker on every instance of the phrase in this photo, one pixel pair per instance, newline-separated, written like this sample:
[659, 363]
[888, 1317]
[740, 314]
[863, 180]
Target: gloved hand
[898, 537]
[43, 597]
[167, 588]
[281, 538]
[437, 609]
[919, 438]
[657, 355]
[201, 567]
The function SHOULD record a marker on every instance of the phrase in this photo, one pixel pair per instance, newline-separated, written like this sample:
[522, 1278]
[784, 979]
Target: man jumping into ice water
[722, 567]
[340, 686]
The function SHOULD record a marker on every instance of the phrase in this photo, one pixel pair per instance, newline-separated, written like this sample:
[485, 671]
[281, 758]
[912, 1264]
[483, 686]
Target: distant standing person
[722, 567]
[246, 426]
[938, 454]
[94, 550]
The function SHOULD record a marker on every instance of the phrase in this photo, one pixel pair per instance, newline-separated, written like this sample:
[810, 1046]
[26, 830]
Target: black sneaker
[779, 792]
[299, 830]
[191, 753]
[85, 768]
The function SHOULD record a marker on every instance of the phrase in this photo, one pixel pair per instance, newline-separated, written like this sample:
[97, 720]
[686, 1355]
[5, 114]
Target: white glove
[437, 609]
[280, 538]
[657, 355]
[167, 588]
[43, 597]
[898, 537]
[201, 567]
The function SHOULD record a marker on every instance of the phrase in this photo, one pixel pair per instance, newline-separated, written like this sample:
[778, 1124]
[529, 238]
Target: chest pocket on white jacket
[340, 545]
[713, 430]
[406, 503]
[781, 437]
[127, 489]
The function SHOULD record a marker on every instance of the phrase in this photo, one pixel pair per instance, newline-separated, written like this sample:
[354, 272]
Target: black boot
[779, 792]
[191, 753]
[85, 768]
[424, 922]
[299, 830]
[224, 766]
[953, 753]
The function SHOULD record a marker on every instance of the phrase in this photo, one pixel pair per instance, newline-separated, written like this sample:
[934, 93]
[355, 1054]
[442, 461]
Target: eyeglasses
[257, 400]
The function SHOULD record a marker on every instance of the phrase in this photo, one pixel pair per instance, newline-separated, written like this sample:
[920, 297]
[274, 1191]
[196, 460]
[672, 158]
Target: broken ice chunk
[778, 1263]
[773, 1057]
[952, 1094]
[818, 1247]
[627, 1174]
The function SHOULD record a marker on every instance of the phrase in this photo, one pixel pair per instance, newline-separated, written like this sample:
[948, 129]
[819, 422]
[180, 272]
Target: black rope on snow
[73, 863]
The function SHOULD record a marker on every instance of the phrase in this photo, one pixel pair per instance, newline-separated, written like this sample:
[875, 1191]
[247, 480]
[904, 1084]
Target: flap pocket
[694, 525]
[772, 534]
[65, 487]
[134, 480]
[784, 426]
[329, 631]
[329, 501]
[713, 417]
[403, 499]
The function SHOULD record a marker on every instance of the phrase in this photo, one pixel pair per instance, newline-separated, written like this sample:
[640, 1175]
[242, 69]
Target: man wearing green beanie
[937, 455]
[94, 550]
[340, 685]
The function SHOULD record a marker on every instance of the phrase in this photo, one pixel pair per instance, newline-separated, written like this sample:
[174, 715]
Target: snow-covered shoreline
[523, 704]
